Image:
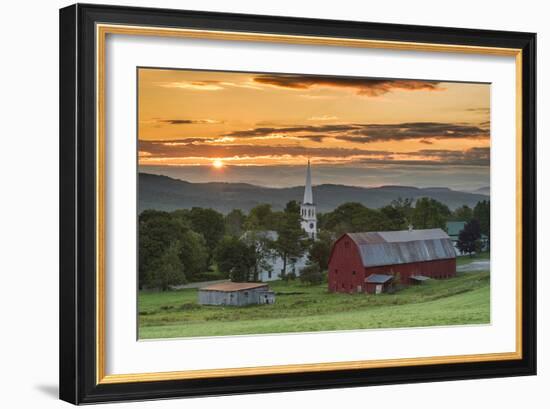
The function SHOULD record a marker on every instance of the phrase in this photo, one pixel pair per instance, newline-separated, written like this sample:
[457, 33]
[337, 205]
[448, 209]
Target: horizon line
[317, 185]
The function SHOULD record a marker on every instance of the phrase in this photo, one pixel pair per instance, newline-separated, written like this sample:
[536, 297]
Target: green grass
[300, 308]
[482, 255]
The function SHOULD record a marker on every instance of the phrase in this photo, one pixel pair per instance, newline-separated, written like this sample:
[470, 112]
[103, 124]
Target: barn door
[378, 288]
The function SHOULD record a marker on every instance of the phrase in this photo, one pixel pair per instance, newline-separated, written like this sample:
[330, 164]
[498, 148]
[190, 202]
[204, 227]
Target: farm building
[378, 283]
[372, 262]
[272, 269]
[454, 229]
[237, 294]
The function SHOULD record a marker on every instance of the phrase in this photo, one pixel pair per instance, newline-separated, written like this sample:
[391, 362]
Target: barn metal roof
[229, 286]
[405, 246]
[378, 278]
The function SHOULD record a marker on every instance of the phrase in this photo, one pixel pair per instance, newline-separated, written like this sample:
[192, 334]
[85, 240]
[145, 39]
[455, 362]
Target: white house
[275, 262]
[309, 225]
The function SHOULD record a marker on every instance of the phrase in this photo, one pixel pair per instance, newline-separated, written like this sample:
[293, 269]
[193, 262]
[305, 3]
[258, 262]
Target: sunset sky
[261, 128]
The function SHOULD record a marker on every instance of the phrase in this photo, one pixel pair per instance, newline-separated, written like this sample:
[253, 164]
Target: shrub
[311, 274]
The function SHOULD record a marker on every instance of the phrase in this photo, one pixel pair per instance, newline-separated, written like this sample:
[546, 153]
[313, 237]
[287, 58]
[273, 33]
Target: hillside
[165, 193]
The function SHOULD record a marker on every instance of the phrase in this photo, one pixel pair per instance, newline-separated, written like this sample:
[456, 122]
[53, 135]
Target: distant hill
[485, 190]
[165, 193]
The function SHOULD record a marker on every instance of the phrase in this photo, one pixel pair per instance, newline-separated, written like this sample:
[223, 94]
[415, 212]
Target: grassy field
[298, 308]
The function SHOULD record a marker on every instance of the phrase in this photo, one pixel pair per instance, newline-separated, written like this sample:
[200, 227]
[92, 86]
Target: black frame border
[78, 210]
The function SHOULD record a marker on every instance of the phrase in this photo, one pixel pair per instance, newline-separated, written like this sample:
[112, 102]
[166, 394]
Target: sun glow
[217, 163]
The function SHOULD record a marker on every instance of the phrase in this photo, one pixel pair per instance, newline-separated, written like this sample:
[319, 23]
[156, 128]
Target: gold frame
[102, 30]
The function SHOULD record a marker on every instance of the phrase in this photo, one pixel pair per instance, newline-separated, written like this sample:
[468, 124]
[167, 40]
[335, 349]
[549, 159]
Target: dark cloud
[365, 133]
[362, 86]
[473, 156]
[414, 130]
[188, 121]
[189, 148]
[266, 131]
[439, 157]
[314, 137]
[184, 141]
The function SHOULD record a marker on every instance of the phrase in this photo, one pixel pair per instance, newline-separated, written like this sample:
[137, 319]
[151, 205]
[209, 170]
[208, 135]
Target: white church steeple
[307, 208]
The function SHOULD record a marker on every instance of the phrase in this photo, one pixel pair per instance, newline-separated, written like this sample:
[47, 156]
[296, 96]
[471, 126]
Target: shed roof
[401, 247]
[229, 286]
[454, 228]
[378, 278]
[420, 278]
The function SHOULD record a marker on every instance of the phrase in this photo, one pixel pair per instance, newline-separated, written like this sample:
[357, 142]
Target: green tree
[353, 217]
[311, 274]
[468, 238]
[462, 214]
[235, 258]
[210, 224]
[397, 214]
[193, 254]
[291, 240]
[319, 250]
[234, 223]
[157, 231]
[292, 207]
[482, 213]
[262, 217]
[428, 213]
[183, 215]
[168, 269]
[262, 245]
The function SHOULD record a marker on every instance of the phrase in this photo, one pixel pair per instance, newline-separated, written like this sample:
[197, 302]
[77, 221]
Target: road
[478, 265]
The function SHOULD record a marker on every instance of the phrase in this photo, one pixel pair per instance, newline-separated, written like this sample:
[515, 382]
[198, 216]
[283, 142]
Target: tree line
[200, 244]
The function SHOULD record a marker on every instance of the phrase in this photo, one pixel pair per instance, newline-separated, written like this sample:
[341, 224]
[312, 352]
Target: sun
[217, 163]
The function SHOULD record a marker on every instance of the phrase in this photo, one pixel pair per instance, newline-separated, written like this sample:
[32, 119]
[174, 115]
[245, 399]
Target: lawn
[298, 308]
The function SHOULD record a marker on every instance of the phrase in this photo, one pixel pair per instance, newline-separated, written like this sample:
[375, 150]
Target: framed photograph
[257, 204]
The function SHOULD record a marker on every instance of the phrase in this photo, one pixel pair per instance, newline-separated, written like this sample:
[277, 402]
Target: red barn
[369, 262]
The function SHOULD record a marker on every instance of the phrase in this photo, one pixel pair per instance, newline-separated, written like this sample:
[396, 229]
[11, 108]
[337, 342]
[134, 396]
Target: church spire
[307, 208]
[308, 194]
